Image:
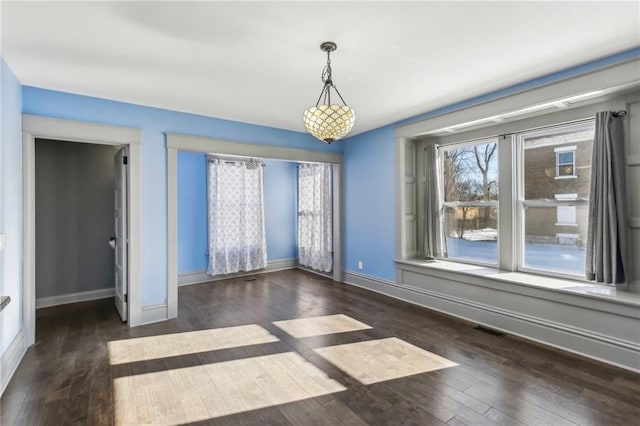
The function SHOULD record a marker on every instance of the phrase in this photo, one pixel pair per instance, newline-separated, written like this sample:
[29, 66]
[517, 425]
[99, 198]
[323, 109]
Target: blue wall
[280, 198]
[369, 203]
[369, 189]
[192, 211]
[10, 204]
[281, 209]
[154, 122]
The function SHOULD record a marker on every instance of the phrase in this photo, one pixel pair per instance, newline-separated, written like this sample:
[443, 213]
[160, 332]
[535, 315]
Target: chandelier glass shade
[329, 122]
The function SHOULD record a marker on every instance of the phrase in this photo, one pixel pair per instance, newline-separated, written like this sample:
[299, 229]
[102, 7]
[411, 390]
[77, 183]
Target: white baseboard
[11, 360]
[197, 277]
[328, 275]
[82, 296]
[581, 341]
[154, 313]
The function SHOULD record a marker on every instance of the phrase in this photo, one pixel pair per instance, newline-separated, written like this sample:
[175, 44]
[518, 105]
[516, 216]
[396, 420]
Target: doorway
[74, 199]
[177, 143]
[36, 127]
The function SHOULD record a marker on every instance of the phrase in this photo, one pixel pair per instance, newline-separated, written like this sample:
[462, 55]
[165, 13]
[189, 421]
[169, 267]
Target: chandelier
[329, 122]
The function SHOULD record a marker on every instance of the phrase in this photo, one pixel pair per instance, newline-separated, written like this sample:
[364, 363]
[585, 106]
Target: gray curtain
[434, 244]
[606, 260]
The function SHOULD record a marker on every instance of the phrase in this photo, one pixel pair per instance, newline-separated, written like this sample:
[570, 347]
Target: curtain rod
[234, 159]
[620, 113]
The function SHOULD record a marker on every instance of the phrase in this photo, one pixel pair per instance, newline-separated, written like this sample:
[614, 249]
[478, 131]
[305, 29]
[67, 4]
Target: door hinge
[126, 298]
[125, 160]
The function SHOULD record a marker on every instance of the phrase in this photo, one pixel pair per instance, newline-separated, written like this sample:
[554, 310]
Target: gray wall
[74, 217]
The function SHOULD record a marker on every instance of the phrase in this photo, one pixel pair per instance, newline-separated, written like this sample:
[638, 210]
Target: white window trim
[565, 148]
[566, 196]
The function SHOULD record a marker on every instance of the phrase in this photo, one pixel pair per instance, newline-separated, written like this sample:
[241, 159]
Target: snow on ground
[549, 257]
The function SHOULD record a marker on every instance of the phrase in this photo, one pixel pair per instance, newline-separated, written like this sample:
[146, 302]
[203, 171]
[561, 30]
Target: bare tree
[482, 160]
[461, 169]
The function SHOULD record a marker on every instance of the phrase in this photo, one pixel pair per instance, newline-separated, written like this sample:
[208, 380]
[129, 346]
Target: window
[469, 201]
[565, 162]
[542, 216]
[552, 212]
[543, 219]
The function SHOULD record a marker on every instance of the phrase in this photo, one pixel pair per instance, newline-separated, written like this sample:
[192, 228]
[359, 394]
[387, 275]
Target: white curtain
[315, 231]
[237, 239]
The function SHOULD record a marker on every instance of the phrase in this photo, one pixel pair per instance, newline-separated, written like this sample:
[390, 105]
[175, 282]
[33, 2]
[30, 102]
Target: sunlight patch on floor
[375, 361]
[319, 326]
[213, 390]
[189, 342]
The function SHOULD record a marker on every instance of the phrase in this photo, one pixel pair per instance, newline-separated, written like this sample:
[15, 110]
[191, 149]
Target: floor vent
[489, 331]
[250, 279]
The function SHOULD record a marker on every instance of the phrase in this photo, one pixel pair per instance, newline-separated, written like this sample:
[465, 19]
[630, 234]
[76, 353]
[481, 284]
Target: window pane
[471, 173]
[566, 170]
[551, 245]
[557, 167]
[471, 233]
[565, 157]
[540, 167]
[566, 215]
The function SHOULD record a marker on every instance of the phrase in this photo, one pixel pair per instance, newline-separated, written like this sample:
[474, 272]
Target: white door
[121, 233]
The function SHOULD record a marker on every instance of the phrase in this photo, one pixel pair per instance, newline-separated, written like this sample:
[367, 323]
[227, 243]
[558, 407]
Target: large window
[547, 179]
[470, 194]
[553, 209]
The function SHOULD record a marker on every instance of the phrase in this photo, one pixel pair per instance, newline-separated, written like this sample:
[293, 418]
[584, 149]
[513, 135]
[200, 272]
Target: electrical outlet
[360, 264]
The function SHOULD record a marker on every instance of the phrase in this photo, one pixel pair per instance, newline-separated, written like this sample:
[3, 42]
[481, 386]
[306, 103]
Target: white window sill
[566, 177]
[568, 286]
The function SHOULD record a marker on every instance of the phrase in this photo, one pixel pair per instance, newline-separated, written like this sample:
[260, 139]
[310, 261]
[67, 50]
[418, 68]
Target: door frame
[177, 142]
[121, 232]
[38, 127]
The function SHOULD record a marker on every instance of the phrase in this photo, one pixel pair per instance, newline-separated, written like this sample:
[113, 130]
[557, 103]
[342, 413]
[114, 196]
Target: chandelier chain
[326, 71]
[328, 122]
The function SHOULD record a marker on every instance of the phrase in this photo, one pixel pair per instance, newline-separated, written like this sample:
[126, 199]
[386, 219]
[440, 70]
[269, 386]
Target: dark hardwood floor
[67, 378]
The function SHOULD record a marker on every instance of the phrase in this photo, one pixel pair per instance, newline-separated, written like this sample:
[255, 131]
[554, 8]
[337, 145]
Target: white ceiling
[260, 62]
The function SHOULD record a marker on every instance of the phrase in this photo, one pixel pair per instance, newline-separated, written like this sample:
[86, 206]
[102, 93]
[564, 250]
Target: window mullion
[507, 254]
[554, 203]
[470, 204]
